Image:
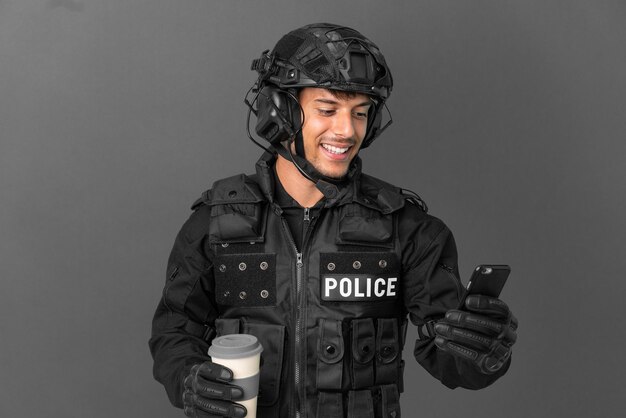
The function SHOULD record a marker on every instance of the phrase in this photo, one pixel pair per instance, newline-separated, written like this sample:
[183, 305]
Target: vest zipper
[300, 313]
[299, 346]
[301, 319]
[297, 349]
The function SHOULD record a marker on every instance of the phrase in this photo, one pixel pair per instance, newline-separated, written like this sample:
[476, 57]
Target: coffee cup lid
[235, 346]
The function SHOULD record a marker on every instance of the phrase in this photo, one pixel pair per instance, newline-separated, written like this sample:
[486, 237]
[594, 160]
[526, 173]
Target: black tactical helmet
[334, 57]
[321, 55]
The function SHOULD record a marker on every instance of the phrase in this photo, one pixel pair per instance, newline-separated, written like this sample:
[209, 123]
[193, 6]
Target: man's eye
[326, 112]
[360, 115]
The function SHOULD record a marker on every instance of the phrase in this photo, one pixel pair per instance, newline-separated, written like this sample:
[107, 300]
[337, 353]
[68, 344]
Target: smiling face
[334, 128]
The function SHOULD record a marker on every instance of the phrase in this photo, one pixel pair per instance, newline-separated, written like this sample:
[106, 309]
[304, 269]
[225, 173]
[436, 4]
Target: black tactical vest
[330, 317]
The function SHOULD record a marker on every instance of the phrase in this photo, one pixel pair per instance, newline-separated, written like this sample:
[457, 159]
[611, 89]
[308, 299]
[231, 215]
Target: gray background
[509, 120]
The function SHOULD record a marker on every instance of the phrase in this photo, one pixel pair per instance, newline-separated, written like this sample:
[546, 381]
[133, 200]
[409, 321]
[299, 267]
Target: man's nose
[343, 125]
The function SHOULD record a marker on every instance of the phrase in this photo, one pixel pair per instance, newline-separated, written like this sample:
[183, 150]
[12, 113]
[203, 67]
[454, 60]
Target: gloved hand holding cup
[228, 385]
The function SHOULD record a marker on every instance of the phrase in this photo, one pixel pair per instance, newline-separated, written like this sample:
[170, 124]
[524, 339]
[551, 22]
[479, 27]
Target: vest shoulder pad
[387, 197]
[236, 189]
[415, 199]
[204, 199]
[380, 195]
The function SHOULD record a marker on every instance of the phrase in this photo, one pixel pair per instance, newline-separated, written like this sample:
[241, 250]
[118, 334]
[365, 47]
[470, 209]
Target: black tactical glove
[208, 394]
[484, 333]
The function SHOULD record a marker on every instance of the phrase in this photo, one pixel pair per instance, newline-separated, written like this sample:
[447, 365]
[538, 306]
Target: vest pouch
[330, 355]
[226, 326]
[363, 351]
[236, 223]
[387, 351]
[360, 225]
[237, 214]
[272, 338]
[330, 405]
[360, 404]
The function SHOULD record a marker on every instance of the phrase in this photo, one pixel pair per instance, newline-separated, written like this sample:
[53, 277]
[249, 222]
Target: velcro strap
[387, 350]
[389, 401]
[330, 355]
[360, 404]
[330, 405]
[363, 350]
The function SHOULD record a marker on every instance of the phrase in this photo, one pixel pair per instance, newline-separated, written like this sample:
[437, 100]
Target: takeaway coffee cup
[242, 354]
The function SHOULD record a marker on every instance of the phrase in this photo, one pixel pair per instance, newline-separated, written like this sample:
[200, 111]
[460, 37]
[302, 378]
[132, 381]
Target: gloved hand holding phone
[483, 328]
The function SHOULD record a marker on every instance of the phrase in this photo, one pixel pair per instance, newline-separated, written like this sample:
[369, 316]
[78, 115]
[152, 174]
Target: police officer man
[324, 264]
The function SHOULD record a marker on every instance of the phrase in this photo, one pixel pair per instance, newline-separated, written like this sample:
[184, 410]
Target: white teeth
[335, 150]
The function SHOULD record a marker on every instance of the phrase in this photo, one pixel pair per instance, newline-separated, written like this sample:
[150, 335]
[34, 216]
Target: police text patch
[346, 287]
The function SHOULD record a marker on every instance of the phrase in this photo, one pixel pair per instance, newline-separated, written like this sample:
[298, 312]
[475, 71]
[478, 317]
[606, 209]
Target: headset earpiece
[278, 115]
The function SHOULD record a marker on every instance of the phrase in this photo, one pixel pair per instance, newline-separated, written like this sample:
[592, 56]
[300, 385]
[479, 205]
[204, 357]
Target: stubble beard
[332, 175]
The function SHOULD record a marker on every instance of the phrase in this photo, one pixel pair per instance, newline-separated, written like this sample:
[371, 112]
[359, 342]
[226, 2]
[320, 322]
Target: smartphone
[488, 280]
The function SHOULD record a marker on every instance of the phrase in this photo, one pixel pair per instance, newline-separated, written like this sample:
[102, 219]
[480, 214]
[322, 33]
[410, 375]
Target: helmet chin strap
[327, 185]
